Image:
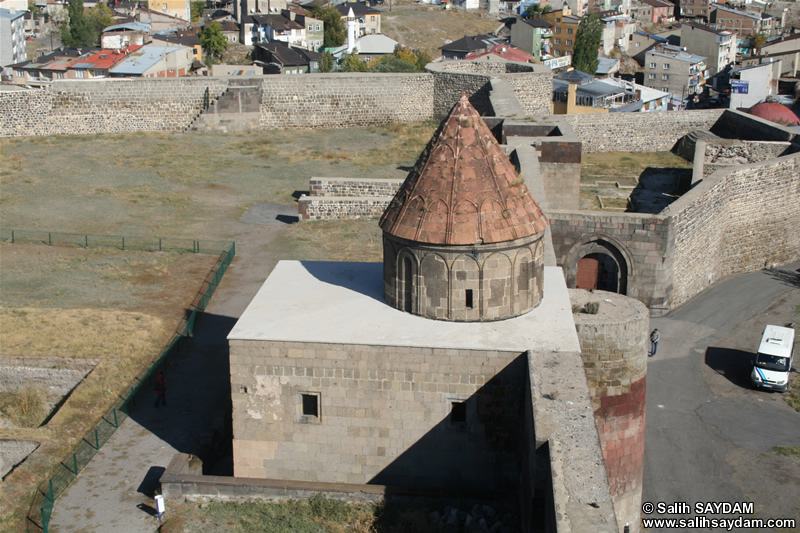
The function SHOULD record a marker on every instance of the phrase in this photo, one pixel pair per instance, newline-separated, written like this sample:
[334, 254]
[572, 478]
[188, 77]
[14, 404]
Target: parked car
[773, 360]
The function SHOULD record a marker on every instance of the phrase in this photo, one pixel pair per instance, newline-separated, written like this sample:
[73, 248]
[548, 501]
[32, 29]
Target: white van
[773, 361]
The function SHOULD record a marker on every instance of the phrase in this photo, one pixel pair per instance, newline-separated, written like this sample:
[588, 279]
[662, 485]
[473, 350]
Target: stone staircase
[237, 109]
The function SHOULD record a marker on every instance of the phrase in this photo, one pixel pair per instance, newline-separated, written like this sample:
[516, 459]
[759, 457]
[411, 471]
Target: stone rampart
[735, 221]
[532, 85]
[106, 106]
[639, 243]
[639, 132]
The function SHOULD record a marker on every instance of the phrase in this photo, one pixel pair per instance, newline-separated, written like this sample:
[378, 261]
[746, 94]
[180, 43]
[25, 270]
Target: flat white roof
[777, 341]
[342, 303]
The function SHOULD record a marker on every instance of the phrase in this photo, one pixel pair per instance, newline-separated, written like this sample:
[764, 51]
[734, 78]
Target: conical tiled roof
[465, 192]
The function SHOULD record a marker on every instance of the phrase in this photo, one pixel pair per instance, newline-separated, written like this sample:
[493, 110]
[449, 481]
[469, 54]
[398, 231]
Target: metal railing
[68, 469]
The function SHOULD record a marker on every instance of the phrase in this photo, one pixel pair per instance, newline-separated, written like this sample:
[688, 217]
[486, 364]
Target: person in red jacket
[160, 389]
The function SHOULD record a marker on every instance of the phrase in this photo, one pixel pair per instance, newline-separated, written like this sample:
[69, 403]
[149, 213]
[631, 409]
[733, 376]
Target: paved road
[705, 428]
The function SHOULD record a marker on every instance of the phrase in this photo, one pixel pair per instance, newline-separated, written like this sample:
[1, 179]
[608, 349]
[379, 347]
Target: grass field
[76, 302]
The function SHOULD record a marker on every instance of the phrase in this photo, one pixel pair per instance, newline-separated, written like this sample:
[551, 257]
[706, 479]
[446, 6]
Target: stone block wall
[345, 100]
[384, 414]
[106, 106]
[614, 353]
[353, 188]
[639, 243]
[341, 207]
[735, 221]
[639, 132]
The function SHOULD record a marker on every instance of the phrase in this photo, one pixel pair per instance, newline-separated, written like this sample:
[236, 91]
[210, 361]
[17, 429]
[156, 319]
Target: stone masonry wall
[351, 187]
[614, 353]
[735, 221]
[106, 106]
[341, 207]
[384, 414]
[639, 132]
[640, 241]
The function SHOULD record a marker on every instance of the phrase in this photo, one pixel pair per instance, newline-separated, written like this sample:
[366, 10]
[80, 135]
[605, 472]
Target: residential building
[48, 67]
[565, 26]
[751, 85]
[315, 30]
[743, 23]
[617, 29]
[653, 12]
[189, 39]
[269, 28]
[12, 37]
[476, 43]
[640, 42]
[674, 70]
[16, 5]
[368, 18]
[501, 52]
[718, 46]
[533, 35]
[176, 8]
[578, 93]
[121, 36]
[280, 58]
[785, 50]
[243, 8]
[696, 8]
[620, 7]
[153, 61]
[230, 30]
[96, 65]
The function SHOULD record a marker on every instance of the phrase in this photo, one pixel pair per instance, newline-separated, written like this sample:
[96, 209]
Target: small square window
[458, 412]
[469, 301]
[569, 42]
[310, 405]
[309, 409]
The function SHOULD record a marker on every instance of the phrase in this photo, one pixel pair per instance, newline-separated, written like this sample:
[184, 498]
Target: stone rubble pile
[480, 519]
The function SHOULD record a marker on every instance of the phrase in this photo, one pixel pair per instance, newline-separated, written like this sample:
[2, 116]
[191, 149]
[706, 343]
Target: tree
[326, 62]
[335, 30]
[213, 42]
[536, 9]
[352, 63]
[101, 18]
[79, 29]
[417, 58]
[197, 10]
[757, 41]
[587, 45]
[391, 63]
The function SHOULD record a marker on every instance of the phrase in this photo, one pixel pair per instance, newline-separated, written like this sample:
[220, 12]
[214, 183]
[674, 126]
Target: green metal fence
[121, 242]
[68, 469]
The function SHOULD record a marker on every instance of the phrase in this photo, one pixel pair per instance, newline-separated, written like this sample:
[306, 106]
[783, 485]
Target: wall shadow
[734, 365]
[149, 483]
[197, 417]
[785, 276]
[657, 188]
[363, 278]
[475, 453]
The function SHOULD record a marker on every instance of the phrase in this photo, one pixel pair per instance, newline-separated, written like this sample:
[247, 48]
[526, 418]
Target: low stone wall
[353, 188]
[338, 208]
[639, 132]
[735, 221]
[56, 376]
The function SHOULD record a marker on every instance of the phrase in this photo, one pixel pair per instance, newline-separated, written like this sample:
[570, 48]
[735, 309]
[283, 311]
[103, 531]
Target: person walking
[655, 336]
[160, 389]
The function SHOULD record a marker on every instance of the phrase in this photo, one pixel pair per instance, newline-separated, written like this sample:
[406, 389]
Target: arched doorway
[597, 272]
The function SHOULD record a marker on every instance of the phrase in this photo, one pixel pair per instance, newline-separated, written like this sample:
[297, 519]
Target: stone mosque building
[448, 370]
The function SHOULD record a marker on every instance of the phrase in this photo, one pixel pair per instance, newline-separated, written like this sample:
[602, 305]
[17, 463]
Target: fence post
[52, 494]
[123, 243]
[44, 520]
[75, 462]
[96, 441]
[12, 236]
[87, 240]
[50, 239]
[159, 244]
[116, 424]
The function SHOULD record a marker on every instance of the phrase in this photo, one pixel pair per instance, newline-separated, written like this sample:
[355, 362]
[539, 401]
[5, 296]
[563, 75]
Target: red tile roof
[463, 189]
[505, 51]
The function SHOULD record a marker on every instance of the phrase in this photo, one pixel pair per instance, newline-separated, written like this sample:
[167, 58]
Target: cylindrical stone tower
[614, 351]
[462, 238]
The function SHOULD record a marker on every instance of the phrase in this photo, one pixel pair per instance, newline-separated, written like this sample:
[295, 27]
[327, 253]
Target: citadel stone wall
[351, 187]
[386, 413]
[106, 106]
[638, 242]
[735, 221]
[638, 132]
